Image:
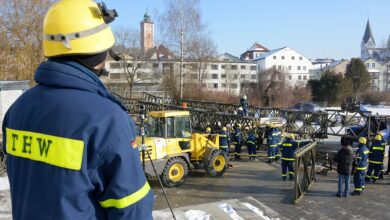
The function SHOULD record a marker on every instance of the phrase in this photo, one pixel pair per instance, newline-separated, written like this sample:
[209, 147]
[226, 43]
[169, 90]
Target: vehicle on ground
[378, 124]
[175, 149]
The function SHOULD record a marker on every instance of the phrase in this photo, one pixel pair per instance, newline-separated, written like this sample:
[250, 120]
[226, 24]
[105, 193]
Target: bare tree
[133, 58]
[202, 51]
[181, 27]
[21, 37]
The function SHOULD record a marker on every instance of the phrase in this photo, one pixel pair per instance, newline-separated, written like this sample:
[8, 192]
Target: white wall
[7, 98]
[295, 65]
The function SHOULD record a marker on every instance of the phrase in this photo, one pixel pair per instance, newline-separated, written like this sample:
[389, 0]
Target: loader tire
[217, 164]
[175, 172]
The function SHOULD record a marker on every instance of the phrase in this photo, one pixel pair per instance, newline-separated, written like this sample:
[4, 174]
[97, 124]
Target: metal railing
[304, 166]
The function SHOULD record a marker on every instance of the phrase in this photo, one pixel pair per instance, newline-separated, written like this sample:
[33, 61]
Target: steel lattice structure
[304, 124]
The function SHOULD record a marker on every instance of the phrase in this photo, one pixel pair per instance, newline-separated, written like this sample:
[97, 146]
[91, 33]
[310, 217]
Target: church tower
[368, 42]
[147, 33]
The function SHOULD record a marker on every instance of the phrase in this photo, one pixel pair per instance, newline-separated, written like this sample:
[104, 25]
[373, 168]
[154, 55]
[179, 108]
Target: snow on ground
[374, 109]
[4, 184]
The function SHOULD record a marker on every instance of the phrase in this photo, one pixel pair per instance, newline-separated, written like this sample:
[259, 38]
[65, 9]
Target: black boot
[356, 193]
[381, 175]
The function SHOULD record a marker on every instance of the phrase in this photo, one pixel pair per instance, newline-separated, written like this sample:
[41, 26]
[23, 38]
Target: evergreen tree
[358, 75]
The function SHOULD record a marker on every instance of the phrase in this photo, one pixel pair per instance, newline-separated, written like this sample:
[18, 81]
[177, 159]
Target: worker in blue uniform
[71, 150]
[251, 145]
[224, 140]
[244, 103]
[361, 166]
[273, 140]
[375, 159]
[280, 141]
[383, 144]
[288, 148]
[237, 141]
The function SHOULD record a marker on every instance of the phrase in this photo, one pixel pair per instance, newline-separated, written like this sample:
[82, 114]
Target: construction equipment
[174, 149]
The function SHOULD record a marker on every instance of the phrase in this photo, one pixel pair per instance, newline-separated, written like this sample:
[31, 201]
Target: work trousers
[373, 167]
[358, 180]
[287, 165]
[271, 152]
[237, 150]
[251, 150]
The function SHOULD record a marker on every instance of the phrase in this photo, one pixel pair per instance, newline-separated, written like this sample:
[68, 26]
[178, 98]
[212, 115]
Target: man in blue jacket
[237, 141]
[71, 151]
[272, 142]
[288, 148]
[361, 166]
[375, 162]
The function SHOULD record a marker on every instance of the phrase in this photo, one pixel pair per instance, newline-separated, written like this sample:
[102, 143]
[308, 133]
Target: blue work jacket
[362, 157]
[71, 152]
[377, 152]
[224, 139]
[273, 137]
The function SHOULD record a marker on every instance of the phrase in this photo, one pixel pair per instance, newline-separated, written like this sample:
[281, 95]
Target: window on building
[300, 58]
[289, 67]
[243, 76]
[253, 76]
[129, 65]
[223, 67]
[214, 67]
[115, 75]
[304, 77]
[253, 67]
[155, 65]
[274, 66]
[223, 76]
[243, 67]
[304, 67]
[115, 65]
[214, 76]
[299, 67]
[282, 57]
[233, 86]
[299, 77]
[234, 67]
[373, 65]
[274, 57]
[289, 77]
[215, 85]
[279, 67]
[293, 58]
[139, 65]
[223, 85]
[235, 76]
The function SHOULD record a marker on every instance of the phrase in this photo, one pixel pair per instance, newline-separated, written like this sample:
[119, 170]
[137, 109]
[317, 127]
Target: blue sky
[315, 28]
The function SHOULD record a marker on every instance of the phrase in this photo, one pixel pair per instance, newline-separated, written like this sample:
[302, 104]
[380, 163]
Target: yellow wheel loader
[175, 150]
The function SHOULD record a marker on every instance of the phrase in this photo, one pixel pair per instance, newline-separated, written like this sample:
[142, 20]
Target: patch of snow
[228, 209]
[4, 183]
[258, 211]
[197, 215]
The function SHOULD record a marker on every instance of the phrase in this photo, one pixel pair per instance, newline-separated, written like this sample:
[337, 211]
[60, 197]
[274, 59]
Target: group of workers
[366, 164]
[251, 138]
[369, 159]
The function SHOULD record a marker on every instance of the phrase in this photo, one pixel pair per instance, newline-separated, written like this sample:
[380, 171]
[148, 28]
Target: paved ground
[263, 182]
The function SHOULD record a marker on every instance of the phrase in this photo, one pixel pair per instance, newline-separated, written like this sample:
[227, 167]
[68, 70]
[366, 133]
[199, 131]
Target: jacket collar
[69, 74]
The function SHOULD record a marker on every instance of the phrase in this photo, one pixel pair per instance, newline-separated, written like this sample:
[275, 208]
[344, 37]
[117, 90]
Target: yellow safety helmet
[362, 140]
[77, 27]
[378, 137]
[208, 129]
[381, 133]
[291, 136]
[224, 129]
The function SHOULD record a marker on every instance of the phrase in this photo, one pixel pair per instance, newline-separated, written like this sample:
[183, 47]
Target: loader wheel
[175, 172]
[217, 164]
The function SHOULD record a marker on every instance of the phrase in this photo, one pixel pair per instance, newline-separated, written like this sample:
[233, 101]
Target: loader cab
[173, 126]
